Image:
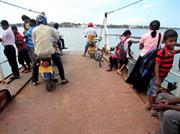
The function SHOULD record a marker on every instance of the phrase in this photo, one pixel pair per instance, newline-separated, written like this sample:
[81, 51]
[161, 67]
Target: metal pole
[178, 90]
[1, 74]
[106, 40]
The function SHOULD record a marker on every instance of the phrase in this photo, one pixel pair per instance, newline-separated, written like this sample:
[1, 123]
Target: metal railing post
[1, 74]
[106, 40]
[178, 90]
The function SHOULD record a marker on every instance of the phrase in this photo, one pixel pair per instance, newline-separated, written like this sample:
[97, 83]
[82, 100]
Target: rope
[20, 7]
[124, 6]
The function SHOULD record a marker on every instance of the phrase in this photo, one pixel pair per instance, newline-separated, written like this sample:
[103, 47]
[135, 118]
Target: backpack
[120, 51]
[148, 61]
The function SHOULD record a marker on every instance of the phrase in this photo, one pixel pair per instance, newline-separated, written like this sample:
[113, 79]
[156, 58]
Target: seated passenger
[90, 33]
[168, 107]
[122, 51]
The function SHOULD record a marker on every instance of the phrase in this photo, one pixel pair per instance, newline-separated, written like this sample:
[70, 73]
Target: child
[123, 63]
[121, 51]
[22, 50]
[163, 64]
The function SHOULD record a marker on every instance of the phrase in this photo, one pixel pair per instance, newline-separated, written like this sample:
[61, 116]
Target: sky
[84, 11]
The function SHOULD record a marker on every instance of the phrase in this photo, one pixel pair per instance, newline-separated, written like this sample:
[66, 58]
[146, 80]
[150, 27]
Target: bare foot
[119, 72]
[109, 70]
[148, 106]
[3, 81]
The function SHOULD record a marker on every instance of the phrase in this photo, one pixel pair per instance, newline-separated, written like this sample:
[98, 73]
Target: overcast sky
[84, 11]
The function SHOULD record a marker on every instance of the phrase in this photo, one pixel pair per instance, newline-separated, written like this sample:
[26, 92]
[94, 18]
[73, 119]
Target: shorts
[152, 89]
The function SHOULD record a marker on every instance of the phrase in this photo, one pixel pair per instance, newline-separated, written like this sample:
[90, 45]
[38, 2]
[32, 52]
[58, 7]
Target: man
[25, 19]
[8, 41]
[61, 40]
[90, 32]
[42, 37]
[169, 113]
[28, 36]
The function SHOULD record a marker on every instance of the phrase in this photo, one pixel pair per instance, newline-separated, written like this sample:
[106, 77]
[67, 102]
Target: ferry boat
[93, 102]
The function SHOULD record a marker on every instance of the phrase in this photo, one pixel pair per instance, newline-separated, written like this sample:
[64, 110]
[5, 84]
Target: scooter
[46, 70]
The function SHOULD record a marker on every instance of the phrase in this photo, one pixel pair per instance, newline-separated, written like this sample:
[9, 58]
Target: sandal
[65, 81]
[14, 77]
[109, 70]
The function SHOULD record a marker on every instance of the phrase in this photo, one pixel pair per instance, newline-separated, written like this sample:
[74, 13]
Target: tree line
[77, 25]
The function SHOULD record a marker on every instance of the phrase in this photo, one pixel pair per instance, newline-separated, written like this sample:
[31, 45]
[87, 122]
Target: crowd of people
[160, 102]
[38, 39]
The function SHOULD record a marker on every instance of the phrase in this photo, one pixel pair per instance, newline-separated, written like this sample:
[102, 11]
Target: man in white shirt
[42, 37]
[56, 26]
[90, 31]
[8, 41]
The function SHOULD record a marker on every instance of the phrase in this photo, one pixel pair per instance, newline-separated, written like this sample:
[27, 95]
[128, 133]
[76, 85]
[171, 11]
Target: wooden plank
[16, 85]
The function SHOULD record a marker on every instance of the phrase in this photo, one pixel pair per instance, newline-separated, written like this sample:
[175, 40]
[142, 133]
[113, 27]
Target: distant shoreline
[78, 25]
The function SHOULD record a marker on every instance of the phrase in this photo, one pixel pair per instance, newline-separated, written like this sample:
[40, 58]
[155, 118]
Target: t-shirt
[7, 37]
[149, 42]
[90, 31]
[28, 36]
[165, 61]
[20, 43]
[42, 37]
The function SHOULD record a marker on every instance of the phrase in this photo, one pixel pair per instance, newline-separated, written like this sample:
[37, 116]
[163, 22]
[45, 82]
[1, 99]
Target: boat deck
[93, 102]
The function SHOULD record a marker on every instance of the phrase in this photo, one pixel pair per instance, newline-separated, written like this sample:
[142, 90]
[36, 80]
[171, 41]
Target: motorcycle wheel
[48, 84]
[99, 63]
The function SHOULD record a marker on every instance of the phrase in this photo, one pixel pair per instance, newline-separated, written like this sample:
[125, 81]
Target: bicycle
[95, 52]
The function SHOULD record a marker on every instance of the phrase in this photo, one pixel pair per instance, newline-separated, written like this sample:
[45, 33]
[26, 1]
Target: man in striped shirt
[164, 62]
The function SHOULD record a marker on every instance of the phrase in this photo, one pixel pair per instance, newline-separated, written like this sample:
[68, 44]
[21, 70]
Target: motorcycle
[46, 70]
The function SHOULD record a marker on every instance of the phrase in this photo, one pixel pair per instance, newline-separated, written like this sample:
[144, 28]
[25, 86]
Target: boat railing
[1, 70]
[3, 62]
[134, 37]
[2, 75]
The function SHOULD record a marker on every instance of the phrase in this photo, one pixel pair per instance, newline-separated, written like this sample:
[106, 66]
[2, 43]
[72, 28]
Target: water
[75, 41]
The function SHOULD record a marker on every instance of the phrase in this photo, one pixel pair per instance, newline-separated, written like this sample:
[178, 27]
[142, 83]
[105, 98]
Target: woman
[148, 42]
